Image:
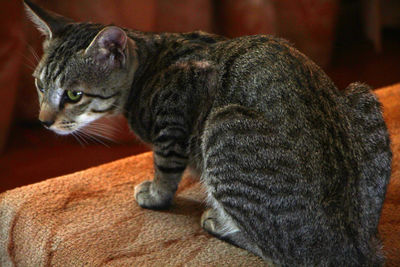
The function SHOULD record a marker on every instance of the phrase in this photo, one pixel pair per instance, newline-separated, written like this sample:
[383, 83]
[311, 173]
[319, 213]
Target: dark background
[351, 40]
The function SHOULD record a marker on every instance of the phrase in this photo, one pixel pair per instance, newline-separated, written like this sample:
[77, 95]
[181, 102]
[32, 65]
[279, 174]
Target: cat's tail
[373, 156]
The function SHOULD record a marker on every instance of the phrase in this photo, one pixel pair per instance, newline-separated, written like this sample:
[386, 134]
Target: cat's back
[260, 70]
[271, 77]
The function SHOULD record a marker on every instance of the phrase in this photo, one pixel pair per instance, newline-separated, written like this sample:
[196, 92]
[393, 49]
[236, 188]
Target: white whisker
[101, 132]
[109, 127]
[98, 133]
[29, 67]
[100, 136]
[92, 137]
[31, 63]
[77, 139]
[36, 56]
[82, 137]
[88, 137]
[103, 129]
[28, 62]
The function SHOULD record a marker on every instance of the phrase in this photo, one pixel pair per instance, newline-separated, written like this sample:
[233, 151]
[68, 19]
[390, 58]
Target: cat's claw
[149, 198]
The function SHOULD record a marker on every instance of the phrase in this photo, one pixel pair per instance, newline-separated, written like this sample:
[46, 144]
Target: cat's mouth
[65, 128]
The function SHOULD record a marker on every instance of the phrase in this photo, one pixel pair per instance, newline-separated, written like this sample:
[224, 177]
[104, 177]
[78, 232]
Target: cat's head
[85, 73]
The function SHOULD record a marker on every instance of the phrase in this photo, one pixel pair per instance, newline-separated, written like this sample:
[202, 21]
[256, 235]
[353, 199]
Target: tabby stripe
[166, 144]
[170, 114]
[166, 122]
[83, 105]
[242, 205]
[170, 169]
[260, 178]
[164, 132]
[59, 71]
[242, 212]
[171, 153]
[102, 97]
[207, 39]
[253, 194]
[171, 162]
[245, 173]
[264, 137]
[184, 52]
[252, 226]
[167, 137]
[104, 110]
[218, 158]
[274, 204]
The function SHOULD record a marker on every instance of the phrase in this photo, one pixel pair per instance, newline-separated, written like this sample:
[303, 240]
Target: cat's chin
[63, 132]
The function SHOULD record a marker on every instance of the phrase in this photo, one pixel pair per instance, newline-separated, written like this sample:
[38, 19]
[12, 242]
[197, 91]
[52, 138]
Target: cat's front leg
[169, 163]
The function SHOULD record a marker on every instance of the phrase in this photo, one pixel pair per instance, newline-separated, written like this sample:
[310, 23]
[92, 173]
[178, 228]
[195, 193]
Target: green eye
[74, 96]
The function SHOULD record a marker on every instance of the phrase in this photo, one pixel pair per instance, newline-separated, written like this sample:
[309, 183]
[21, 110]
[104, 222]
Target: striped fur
[295, 170]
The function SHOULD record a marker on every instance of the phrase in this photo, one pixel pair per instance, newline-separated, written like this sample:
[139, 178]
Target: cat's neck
[141, 49]
[146, 47]
[149, 46]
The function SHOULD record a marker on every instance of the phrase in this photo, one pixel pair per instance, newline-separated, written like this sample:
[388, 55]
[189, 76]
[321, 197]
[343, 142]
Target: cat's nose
[47, 124]
[47, 115]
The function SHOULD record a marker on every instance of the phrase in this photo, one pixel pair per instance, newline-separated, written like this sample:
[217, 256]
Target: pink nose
[46, 115]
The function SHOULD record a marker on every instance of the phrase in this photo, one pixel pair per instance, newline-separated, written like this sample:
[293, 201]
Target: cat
[295, 170]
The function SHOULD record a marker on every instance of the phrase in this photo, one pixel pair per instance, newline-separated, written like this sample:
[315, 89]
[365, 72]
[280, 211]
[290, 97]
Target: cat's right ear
[109, 47]
[47, 22]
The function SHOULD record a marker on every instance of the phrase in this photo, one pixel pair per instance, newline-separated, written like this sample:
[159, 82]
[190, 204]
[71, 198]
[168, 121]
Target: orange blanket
[90, 218]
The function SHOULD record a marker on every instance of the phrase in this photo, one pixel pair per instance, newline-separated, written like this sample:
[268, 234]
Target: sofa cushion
[90, 218]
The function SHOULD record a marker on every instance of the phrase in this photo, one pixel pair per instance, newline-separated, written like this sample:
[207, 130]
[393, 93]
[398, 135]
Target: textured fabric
[389, 226]
[90, 218]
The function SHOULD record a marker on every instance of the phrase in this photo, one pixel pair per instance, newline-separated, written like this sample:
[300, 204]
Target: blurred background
[355, 40]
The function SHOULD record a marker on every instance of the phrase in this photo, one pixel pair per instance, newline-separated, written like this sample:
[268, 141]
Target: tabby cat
[295, 170]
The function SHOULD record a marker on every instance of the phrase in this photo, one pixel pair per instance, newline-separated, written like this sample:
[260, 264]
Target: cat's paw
[149, 198]
[209, 222]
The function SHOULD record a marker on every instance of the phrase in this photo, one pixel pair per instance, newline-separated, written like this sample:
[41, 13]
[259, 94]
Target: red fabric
[183, 16]
[309, 24]
[237, 18]
[11, 52]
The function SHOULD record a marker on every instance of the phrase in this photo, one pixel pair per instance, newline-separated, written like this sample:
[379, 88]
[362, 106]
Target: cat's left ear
[108, 46]
[49, 23]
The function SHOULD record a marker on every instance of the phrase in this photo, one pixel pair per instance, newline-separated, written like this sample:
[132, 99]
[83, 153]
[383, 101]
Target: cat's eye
[39, 85]
[74, 96]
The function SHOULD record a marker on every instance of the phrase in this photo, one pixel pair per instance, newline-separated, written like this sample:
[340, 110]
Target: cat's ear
[47, 22]
[108, 46]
